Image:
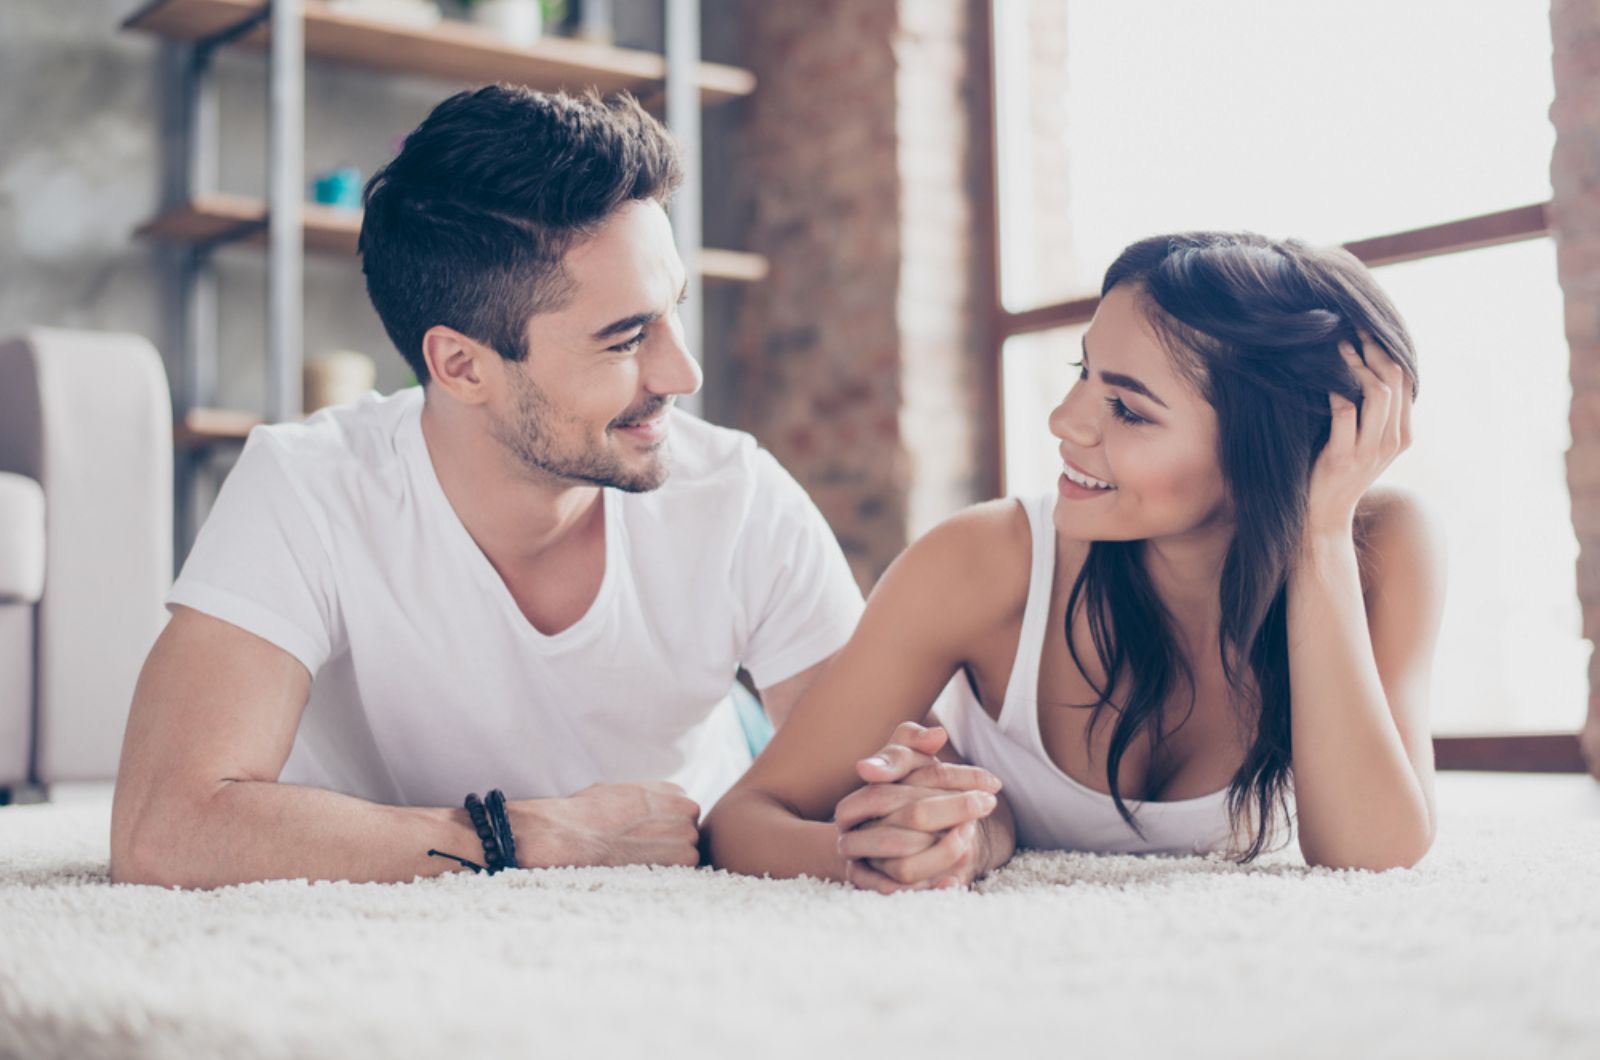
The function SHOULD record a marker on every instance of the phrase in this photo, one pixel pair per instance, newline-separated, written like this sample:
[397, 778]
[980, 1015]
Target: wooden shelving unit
[452, 51]
[223, 218]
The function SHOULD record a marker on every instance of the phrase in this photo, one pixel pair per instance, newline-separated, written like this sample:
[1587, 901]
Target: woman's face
[1132, 422]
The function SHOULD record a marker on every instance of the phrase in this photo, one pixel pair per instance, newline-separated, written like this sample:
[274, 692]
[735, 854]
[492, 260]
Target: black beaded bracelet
[500, 821]
[493, 826]
[492, 859]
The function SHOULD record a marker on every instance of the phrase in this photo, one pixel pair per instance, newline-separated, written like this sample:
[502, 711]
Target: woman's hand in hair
[1362, 442]
[918, 822]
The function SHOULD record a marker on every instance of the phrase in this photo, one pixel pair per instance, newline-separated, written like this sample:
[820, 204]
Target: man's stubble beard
[527, 439]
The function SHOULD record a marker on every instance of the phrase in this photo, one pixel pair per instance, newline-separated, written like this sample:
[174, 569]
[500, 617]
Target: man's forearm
[261, 830]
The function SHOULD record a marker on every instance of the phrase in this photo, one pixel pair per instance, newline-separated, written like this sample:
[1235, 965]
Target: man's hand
[608, 824]
[917, 823]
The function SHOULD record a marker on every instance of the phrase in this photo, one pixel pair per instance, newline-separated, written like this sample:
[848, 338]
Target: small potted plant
[519, 22]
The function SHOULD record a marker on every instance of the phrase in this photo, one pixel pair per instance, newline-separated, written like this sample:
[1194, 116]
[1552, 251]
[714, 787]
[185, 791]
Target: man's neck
[515, 518]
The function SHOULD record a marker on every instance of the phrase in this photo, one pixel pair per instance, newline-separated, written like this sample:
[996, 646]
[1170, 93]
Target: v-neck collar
[414, 446]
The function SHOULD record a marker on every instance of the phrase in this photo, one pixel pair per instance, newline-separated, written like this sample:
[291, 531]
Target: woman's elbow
[1404, 855]
[719, 832]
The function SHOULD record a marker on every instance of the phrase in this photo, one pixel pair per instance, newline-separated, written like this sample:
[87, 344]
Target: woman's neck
[1186, 573]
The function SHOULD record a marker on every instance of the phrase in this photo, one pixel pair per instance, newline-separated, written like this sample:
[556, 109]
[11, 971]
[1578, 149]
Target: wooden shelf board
[223, 217]
[332, 230]
[732, 266]
[455, 51]
[202, 427]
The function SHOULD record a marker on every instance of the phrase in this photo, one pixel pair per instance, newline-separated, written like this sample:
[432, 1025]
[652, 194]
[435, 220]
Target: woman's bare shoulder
[968, 571]
[1395, 532]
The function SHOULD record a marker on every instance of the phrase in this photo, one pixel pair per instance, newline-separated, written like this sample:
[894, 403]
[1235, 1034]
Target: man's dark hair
[467, 227]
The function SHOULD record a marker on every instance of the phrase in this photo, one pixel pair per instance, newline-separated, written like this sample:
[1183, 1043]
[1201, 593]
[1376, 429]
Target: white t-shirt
[334, 540]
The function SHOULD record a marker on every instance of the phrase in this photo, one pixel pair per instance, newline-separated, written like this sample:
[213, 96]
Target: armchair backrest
[88, 416]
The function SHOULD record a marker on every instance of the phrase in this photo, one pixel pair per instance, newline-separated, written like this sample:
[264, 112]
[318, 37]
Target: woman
[1210, 618]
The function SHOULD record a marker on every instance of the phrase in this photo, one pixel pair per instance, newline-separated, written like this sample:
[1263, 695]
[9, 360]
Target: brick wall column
[1575, 224]
[943, 390]
[855, 361]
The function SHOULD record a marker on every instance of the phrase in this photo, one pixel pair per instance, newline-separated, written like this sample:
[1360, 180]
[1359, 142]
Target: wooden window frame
[1509, 752]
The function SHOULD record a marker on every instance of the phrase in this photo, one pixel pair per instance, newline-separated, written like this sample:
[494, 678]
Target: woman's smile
[1076, 484]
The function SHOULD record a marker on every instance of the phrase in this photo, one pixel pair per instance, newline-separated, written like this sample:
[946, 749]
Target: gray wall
[77, 168]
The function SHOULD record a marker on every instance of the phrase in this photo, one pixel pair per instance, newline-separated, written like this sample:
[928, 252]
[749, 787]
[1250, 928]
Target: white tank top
[1053, 811]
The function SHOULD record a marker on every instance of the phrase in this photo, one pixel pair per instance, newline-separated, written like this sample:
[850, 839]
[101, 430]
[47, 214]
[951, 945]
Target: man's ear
[459, 365]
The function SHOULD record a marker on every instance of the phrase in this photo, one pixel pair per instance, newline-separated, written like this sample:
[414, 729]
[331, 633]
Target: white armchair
[85, 546]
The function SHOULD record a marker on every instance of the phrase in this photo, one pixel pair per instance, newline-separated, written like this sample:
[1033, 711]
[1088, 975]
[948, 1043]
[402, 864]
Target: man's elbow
[143, 861]
[125, 870]
[148, 853]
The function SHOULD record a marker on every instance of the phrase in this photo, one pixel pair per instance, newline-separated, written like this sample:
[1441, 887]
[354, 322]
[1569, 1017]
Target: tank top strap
[1022, 689]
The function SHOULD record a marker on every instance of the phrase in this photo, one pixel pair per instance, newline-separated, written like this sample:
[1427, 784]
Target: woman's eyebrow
[1126, 382]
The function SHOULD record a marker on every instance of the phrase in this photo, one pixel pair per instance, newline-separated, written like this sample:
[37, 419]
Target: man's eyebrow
[1126, 382]
[638, 320]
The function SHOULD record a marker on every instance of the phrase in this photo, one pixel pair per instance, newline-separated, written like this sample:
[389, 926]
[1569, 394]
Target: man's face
[589, 403]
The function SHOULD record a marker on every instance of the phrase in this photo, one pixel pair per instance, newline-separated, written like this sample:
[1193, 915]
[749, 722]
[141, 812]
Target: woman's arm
[934, 602]
[1360, 663]
[1359, 677]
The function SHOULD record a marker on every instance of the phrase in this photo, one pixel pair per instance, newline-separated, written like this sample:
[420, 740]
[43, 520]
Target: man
[531, 573]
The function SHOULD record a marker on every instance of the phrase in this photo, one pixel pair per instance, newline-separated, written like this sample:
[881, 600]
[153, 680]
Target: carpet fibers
[1489, 948]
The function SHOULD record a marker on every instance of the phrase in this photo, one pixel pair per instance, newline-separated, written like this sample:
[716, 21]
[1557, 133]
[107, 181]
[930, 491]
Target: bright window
[1328, 121]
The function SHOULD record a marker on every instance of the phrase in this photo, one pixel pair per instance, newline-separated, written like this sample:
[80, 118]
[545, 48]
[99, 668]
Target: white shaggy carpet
[1490, 948]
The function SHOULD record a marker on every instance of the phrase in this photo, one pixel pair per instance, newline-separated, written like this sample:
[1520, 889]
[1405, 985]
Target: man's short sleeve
[798, 594]
[259, 562]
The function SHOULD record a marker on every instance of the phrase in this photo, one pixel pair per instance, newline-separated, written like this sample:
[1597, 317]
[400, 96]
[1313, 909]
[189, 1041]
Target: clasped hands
[918, 823]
